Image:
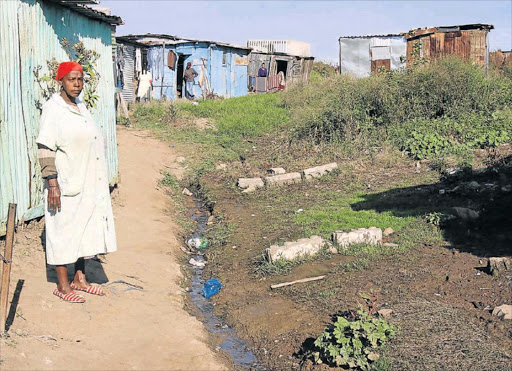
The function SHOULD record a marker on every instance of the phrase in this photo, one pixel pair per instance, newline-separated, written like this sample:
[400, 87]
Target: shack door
[381, 63]
[380, 54]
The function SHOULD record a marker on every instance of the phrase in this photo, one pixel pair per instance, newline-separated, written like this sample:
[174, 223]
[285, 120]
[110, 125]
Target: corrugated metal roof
[81, 6]
[157, 39]
[370, 36]
[417, 32]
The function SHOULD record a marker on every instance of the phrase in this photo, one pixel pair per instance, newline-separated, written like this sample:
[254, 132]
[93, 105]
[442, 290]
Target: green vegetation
[242, 117]
[446, 107]
[88, 60]
[337, 214]
[353, 343]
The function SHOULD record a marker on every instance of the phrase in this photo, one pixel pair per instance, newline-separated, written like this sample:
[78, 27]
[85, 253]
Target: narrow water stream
[233, 345]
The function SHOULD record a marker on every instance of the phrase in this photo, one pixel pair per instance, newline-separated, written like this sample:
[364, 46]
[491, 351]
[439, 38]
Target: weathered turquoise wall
[30, 34]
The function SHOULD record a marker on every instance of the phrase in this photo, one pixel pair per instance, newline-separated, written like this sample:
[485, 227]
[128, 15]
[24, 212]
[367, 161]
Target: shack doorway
[282, 66]
[180, 71]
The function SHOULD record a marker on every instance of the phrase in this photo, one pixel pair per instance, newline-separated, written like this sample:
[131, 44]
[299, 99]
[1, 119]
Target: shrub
[353, 343]
[444, 106]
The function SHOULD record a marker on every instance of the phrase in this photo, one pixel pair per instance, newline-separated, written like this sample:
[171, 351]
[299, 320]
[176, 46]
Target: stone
[385, 312]
[295, 249]
[318, 171]
[388, 231]
[250, 184]
[473, 185]
[465, 214]
[211, 220]
[283, 179]
[371, 236]
[276, 171]
[187, 192]
[503, 311]
[221, 167]
[499, 265]
[389, 244]
[180, 159]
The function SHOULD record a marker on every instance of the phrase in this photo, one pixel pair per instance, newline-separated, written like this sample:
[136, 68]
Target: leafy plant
[437, 218]
[87, 59]
[353, 343]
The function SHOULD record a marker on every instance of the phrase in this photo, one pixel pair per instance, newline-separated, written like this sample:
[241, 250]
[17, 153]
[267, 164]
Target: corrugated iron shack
[222, 67]
[30, 35]
[500, 59]
[470, 41]
[287, 61]
[362, 55]
[130, 58]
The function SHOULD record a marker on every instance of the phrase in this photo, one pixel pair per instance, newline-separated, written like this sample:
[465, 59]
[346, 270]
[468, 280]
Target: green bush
[353, 343]
[423, 138]
[430, 109]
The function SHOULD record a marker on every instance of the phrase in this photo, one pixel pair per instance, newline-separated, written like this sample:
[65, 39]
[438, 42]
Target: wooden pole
[6, 265]
[163, 71]
[123, 105]
[276, 286]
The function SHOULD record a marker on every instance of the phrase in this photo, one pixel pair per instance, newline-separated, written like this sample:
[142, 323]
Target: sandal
[70, 297]
[94, 290]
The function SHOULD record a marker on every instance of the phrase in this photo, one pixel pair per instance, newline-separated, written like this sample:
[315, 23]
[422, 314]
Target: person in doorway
[190, 74]
[78, 212]
[145, 84]
[262, 72]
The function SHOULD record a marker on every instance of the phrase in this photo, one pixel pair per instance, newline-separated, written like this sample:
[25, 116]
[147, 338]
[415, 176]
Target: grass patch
[337, 214]
[244, 117]
[219, 233]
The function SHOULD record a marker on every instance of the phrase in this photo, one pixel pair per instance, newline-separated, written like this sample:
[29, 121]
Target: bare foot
[64, 288]
[80, 280]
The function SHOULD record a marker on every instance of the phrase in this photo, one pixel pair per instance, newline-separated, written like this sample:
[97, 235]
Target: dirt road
[130, 328]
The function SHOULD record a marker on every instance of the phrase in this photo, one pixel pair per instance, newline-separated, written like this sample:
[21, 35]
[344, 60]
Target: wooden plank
[6, 265]
[310, 279]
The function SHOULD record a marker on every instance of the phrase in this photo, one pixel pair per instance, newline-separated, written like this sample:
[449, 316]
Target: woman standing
[78, 212]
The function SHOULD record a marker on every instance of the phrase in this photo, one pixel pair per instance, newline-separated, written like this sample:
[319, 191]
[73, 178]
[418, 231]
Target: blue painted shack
[221, 67]
[31, 32]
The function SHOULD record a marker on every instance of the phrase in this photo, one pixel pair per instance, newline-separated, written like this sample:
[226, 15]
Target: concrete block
[499, 265]
[283, 179]
[318, 171]
[276, 171]
[295, 249]
[250, 184]
[371, 236]
[503, 311]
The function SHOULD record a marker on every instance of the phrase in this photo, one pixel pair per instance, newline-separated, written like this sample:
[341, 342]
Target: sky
[319, 23]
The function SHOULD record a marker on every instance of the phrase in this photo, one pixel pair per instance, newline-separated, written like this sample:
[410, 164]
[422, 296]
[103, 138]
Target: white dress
[144, 84]
[85, 225]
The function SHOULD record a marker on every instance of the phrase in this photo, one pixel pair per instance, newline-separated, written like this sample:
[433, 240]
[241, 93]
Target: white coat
[85, 225]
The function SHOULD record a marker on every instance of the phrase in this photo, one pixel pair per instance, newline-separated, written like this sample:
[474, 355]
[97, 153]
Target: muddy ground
[141, 323]
[438, 288]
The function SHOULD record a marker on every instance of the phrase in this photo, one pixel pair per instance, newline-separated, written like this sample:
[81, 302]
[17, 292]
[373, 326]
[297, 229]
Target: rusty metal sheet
[468, 44]
[242, 60]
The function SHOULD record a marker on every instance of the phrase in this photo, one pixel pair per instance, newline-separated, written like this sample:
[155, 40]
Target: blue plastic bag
[211, 287]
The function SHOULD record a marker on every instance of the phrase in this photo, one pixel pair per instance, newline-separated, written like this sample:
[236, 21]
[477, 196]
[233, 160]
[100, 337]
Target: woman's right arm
[49, 172]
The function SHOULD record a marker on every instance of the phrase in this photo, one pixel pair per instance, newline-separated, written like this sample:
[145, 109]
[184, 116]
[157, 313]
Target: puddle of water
[232, 344]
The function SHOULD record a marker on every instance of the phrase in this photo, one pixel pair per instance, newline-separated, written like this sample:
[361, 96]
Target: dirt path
[130, 329]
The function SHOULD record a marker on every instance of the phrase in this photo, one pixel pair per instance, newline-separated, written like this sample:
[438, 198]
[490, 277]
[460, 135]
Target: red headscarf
[67, 67]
